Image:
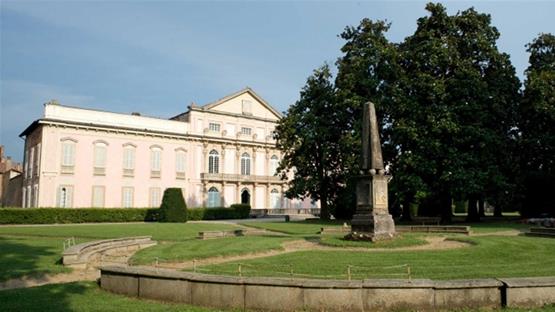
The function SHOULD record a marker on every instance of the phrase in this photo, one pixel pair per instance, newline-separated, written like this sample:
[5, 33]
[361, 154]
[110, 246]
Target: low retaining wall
[281, 294]
[82, 255]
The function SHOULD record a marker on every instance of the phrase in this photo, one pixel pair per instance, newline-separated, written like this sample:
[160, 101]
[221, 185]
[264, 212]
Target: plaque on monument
[372, 220]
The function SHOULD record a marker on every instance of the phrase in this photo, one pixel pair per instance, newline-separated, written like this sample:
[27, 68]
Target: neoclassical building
[219, 154]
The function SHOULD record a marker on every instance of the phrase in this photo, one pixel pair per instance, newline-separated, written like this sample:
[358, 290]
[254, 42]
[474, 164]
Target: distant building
[219, 154]
[10, 183]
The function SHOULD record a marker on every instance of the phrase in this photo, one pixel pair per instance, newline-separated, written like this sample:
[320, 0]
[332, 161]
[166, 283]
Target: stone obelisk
[372, 220]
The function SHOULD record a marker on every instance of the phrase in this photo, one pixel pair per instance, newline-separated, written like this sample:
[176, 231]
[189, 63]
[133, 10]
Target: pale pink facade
[219, 154]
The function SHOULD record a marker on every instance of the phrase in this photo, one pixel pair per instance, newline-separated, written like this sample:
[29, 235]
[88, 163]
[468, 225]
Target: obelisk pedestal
[372, 220]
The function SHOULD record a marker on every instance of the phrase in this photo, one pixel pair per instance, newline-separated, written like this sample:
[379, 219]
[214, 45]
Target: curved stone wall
[83, 255]
[282, 294]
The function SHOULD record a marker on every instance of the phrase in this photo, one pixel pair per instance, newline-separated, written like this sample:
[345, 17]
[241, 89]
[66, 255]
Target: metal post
[195, 265]
[408, 273]
[349, 272]
[240, 271]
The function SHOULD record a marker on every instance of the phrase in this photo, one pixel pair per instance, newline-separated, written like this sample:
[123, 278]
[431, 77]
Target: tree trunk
[324, 208]
[472, 215]
[446, 208]
[406, 215]
[497, 211]
[481, 211]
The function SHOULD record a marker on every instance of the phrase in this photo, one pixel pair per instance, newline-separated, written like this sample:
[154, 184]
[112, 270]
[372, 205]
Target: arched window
[155, 161]
[213, 162]
[180, 159]
[245, 164]
[274, 163]
[100, 151]
[275, 201]
[128, 159]
[213, 197]
[68, 155]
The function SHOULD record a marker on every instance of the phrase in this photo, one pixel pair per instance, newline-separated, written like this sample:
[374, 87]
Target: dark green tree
[460, 95]
[537, 125]
[310, 138]
[173, 207]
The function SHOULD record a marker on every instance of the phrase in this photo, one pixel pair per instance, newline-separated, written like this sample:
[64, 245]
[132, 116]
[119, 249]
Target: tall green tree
[460, 92]
[310, 138]
[537, 125]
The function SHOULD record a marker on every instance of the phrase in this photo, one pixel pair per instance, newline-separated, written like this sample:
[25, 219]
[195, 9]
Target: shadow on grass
[24, 257]
[44, 298]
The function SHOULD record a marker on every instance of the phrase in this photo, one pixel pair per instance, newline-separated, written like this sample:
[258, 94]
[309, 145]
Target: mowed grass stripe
[158, 231]
[489, 257]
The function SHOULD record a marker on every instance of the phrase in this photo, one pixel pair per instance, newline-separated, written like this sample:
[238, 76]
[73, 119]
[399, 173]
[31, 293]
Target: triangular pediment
[246, 103]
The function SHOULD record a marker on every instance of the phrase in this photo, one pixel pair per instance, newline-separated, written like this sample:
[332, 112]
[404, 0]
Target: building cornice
[143, 132]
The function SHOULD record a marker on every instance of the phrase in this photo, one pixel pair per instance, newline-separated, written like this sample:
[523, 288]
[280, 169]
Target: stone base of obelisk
[371, 227]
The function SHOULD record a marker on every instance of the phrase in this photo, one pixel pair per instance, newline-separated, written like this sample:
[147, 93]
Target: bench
[82, 255]
[541, 232]
[434, 229]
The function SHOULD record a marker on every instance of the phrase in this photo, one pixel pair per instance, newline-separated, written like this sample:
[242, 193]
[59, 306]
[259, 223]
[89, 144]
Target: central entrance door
[245, 196]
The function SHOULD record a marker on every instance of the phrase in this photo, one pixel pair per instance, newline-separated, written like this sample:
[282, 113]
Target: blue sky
[157, 57]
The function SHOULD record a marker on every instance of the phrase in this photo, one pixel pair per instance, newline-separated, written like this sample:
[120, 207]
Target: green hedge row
[82, 215]
[236, 211]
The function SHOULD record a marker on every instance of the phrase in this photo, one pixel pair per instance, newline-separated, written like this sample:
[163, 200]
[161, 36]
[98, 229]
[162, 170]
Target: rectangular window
[180, 165]
[127, 197]
[214, 127]
[98, 196]
[155, 162]
[65, 196]
[128, 161]
[155, 197]
[247, 107]
[99, 159]
[246, 131]
[68, 157]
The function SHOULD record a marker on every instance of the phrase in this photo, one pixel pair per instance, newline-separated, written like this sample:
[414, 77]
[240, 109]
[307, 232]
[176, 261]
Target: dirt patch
[433, 243]
[76, 275]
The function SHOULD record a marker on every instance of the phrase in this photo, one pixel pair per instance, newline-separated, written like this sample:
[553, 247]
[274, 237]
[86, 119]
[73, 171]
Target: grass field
[158, 231]
[199, 249]
[402, 240]
[488, 256]
[37, 250]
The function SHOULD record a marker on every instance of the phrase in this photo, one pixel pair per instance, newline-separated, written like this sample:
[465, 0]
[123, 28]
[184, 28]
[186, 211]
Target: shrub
[76, 215]
[173, 208]
[236, 211]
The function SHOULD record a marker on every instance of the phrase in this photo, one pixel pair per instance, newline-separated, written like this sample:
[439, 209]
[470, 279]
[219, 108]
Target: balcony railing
[220, 177]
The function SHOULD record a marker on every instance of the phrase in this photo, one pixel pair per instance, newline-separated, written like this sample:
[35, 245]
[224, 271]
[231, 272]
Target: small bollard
[195, 265]
[240, 271]
[408, 273]
[349, 272]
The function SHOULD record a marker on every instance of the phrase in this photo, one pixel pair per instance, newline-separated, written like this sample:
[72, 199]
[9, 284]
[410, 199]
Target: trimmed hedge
[83, 215]
[235, 211]
[173, 208]
[76, 215]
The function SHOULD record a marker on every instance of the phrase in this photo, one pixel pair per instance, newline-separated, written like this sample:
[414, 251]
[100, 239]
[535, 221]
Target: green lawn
[402, 240]
[492, 227]
[82, 296]
[199, 249]
[489, 256]
[37, 250]
[159, 231]
[309, 227]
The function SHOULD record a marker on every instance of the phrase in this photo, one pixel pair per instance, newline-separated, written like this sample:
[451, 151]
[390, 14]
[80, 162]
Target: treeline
[456, 123]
